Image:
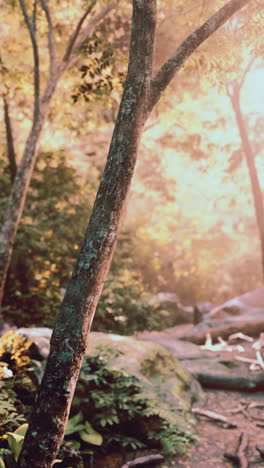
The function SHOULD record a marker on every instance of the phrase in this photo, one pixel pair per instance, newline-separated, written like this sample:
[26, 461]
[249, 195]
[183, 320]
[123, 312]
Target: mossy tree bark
[70, 336]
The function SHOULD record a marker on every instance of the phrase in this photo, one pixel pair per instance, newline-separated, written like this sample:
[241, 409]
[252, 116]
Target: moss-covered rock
[162, 376]
[135, 393]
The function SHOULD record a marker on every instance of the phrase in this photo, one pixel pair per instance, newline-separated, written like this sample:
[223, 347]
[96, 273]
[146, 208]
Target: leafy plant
[15, 440]
[14, 350]
[17, 387]
[55, 204]
[110, 410]
[116, 407]
[88, 434]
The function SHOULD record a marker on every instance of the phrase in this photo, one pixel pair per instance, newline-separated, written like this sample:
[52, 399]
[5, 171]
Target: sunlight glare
[253, 91]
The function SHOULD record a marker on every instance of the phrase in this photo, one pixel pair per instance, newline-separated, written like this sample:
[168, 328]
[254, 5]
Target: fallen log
[253, 383]
[248, 327]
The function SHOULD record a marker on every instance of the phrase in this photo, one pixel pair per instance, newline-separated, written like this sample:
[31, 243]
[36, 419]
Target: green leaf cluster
[15, 440]
[98, 74]
[18, 383]
[47, 242]
[119, 410]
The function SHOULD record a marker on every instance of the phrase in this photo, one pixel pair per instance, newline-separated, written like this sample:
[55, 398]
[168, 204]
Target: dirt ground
[245, 410]
[215, 439]
[239, 407]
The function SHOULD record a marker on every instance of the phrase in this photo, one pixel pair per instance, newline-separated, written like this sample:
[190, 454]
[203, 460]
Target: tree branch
[75, 34]
[34, 16]
[33, 38]
[51, 38]
[187, 47]
[249, 65]
[10, 142]
[87, 31]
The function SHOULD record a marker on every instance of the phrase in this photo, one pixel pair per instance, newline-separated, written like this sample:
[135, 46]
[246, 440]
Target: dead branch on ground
[215, 417]
[142, 461]
[239, 458]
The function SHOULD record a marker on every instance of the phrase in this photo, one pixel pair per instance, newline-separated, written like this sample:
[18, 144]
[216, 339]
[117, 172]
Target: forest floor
[244, 412]
[215, 439]
[244, 409]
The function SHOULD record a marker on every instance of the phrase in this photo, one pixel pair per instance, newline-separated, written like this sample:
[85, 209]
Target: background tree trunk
[70, 336]
[16, 202]
[10, 141]
[23, 176]
[250, 160]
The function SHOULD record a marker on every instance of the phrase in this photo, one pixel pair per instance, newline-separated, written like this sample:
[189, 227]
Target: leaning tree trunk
[253, 175]
[69, 339]
[70, 336]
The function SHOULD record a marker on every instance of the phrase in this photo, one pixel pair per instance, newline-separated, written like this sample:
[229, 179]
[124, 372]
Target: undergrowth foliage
[122, 411]
[110, 411]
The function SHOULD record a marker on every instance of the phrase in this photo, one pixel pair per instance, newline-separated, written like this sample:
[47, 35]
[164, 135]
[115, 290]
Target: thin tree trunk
[11, 154]
[70, 336]
[16, 203]
[23, 176]
[253, 175]
[69, 339]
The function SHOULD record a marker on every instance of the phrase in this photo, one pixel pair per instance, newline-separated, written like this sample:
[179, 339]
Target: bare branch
[33, 38]
[141, 461]
[230, 87]
[34, 15]
[87, 31]
[249, 65]
[189, 45]
[215, 416]
[10, 141]
[51, 38]
[233, 88]
[75, 34]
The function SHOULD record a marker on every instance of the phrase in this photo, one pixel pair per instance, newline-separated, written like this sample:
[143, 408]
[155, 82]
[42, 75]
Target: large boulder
[40, 338]
[160, 373]
[195, 359]
[251, 325]
[154, 365]
[169, 305]
[248, 304]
